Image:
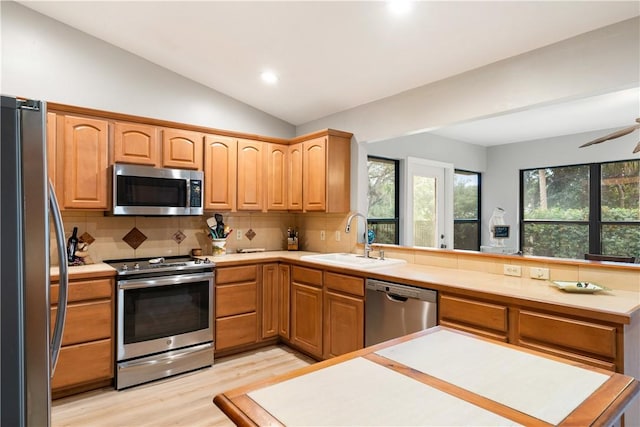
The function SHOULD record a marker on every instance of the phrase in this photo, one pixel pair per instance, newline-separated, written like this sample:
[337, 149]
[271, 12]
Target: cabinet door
[270, 290]
[85, 163]
[220, 157]
[294, 185]
[181, 149]
[306, 318]
[314, 174]
[284, 288]
[343, 324]
[277, 181]
[250, 179]
[135, 143]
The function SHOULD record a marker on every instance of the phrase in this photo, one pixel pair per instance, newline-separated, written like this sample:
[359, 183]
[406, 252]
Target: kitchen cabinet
[236, 306]
[84, 165]
[306, 310]
[295, 177]
[251, 155]
[182, 149]
[479, 317]
[86, 357]
[270, 293]
[277, 177]
[284, 300]
[136, 144]
[326, 163]
[343, 329]
[220, 165]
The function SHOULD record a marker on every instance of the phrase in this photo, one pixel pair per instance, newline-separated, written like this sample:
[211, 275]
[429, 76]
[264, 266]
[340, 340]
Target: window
[384, 201]
[569, 211]
[466, 210]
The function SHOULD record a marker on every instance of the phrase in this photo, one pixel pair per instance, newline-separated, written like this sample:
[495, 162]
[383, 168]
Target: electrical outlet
[322, 235]
[539, 273]
[512, 270]
[338, 235]
[239, 235]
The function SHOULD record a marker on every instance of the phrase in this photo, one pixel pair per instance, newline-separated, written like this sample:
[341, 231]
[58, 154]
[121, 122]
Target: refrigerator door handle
[61, 313]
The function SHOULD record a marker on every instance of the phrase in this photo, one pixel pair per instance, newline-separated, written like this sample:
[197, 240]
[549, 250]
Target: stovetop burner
[130, 266]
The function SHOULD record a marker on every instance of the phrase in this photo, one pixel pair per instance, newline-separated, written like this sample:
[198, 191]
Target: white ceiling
[335, 55]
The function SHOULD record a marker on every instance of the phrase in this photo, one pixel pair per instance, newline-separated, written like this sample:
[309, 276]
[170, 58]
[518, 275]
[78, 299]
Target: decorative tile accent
[87, 238]
[134, 238]
[179, 236]
[250, 234]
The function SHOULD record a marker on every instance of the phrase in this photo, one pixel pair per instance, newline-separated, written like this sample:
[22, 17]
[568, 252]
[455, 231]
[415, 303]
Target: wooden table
[439, 376]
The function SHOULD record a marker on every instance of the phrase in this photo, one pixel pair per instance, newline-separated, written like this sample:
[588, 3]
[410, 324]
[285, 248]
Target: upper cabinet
[251, 161]
[220, 164]
[326, 162]
[84, 165]
[294, 175]
[181, 149]
[277, 182]
[136, 143]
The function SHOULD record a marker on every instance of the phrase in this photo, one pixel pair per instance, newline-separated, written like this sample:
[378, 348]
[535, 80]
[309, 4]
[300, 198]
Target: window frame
[478, 209]
[396, 220]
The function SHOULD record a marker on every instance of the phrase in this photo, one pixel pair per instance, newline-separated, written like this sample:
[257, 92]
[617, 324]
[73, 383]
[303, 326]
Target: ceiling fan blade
[637, 149]
[614, 135]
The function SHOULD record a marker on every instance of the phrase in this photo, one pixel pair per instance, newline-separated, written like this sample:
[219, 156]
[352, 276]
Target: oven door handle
[149, 282]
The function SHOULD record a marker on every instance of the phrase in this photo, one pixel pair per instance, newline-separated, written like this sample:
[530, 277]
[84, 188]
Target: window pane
[465, 236]
[621, 240]
[556, 193]
[465, 195]
[382, 188]
[424, 211]
[556, 240]
[620, 187]
[385, 232]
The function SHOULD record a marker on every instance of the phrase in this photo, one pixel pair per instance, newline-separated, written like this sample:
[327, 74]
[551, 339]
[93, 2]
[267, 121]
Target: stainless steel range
[164, 317]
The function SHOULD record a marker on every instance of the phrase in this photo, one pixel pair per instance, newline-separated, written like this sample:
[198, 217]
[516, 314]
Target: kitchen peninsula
[435, 377]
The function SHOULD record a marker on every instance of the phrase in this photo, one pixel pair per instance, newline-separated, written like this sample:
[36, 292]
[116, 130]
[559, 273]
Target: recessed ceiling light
[269, 77]
[399, 7]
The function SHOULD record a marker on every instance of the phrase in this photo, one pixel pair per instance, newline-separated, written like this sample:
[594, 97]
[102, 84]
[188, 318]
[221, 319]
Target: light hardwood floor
[184, 400]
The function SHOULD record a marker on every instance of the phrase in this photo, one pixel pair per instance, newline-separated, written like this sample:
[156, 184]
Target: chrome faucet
[367, 246]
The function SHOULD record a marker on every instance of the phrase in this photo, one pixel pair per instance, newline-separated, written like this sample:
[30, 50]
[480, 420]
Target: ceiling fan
[617, 134]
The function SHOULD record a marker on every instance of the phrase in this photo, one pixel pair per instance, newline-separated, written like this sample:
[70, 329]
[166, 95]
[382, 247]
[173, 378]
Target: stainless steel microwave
[145, 190]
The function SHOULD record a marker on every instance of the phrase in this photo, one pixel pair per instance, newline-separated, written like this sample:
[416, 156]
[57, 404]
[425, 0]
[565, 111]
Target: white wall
[45, 59]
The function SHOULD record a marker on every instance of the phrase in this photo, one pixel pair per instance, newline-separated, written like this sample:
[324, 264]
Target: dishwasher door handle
[396, 298]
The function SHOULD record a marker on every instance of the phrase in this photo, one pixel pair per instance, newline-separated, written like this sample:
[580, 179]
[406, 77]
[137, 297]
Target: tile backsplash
[178, 235]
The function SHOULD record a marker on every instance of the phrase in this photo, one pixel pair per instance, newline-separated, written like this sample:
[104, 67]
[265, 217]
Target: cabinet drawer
[236, 330]
[85, 322]
[474, 313]
[567, 333]
[342, 283]
[83, 363]
[85, 290]
[245, 273]
[310, 276]
[235, 299]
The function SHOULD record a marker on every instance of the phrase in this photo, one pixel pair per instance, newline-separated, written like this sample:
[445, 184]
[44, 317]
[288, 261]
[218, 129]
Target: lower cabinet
[86, 357]
[343, 314]
[479, 317]
[284, 300]
[306, 310]
[269, 301]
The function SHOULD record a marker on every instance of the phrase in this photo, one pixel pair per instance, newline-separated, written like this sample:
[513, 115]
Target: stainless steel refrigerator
[29, 351]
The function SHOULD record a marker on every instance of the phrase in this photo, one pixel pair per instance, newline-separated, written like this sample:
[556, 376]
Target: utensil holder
[219, 247]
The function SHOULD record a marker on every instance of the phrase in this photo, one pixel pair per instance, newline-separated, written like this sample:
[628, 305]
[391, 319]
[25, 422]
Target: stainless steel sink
[351, 260]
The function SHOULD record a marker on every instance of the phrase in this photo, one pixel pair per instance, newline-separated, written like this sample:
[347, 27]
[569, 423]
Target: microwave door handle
[61, 312]
[188, 203]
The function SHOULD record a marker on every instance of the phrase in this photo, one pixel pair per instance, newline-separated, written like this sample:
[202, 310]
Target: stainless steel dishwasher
[393, 310]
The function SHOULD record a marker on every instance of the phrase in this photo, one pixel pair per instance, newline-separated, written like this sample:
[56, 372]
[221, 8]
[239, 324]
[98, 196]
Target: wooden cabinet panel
[182, 149]
[85, 148]
[343, 324]
[581, 337]
[284, 289]
[270, 291]
[306, 318]
[277, 182]
[314, 174]
[80, 290]
[343, 283]
[243, 273]
[482, 318]
[310, 276]
[83, 363]
[250, 176]
[85, 322]
[220, 166]
[236, 330]
[235, 298]
[136, 143]
[295, 177]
